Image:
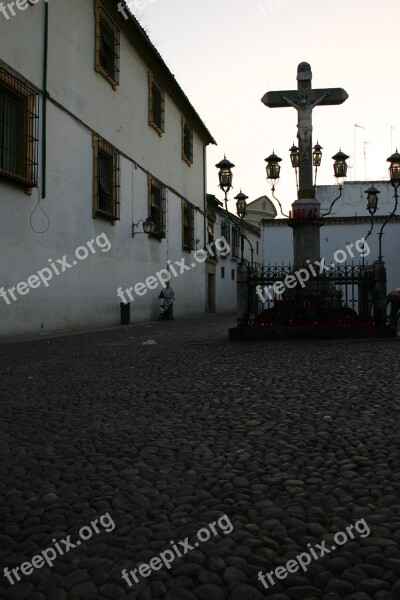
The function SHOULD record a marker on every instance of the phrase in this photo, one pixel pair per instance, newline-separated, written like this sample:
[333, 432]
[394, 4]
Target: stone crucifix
[304, 99]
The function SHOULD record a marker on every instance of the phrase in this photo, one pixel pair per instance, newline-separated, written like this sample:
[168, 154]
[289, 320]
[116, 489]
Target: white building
[222, 267]
[96, 136]
[348, 223]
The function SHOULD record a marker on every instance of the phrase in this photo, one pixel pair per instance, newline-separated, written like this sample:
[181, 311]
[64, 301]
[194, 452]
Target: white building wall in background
[348, 222]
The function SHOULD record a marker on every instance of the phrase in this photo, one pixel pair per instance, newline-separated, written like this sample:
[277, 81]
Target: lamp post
[372, 206]
[394, 178]
[225, 177]
[340, 167]
[273, 169]
[241, 209]
[317, 157]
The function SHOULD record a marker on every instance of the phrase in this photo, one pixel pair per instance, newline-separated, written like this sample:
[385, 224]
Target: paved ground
[292, 441]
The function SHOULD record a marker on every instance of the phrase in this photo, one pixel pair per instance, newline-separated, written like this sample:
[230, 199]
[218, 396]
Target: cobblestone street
[167, 427]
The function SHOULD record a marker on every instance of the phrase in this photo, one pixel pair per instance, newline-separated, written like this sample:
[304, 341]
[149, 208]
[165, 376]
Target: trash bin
[125, 313]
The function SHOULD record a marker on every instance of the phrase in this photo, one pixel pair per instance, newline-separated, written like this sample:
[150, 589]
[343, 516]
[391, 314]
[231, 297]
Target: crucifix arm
[289, 102]
[320, 100]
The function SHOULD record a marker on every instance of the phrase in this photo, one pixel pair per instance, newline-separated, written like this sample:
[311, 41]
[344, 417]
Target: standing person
[394, 299]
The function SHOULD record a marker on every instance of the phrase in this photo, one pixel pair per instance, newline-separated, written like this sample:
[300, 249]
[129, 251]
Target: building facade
[96, 137]
[222, 266]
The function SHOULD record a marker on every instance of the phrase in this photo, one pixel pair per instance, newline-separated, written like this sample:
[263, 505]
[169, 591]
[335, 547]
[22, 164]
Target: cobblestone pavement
[292, 441]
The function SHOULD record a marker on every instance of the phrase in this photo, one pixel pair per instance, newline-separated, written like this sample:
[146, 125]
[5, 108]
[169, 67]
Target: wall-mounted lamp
[148, 227]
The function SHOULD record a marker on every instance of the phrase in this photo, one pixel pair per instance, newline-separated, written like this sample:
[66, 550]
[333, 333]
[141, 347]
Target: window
[233, 274]
[187, 226]
[222, 272]
[19, 120]
[226, 232]
[187, 142]
[235, 242]
[157, 207]
[106, 180]
[156, 105]
[257, 247]
[107, 47]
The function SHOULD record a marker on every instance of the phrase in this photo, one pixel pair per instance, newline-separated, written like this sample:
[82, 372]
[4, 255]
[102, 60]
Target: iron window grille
[235, 243]
[19, 123]
[187, 142]
[157, 207]
[187, 226]
[107, 47]
[226, 231]
[106, 180]
[156, 105]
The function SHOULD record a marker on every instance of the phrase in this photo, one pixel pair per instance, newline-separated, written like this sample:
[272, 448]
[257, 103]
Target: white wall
[86, 295]
[277, 244]
[226, 288]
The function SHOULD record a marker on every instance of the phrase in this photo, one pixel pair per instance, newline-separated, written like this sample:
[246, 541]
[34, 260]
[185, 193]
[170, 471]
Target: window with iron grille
[187, 142]
[235, 242]
[156, 105]
[19, 122]
[187, 226]
[107, 47]
[106, 181]
[226, 232]
[157, 207]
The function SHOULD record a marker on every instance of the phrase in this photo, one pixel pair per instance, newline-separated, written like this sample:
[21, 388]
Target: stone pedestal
[306, 223]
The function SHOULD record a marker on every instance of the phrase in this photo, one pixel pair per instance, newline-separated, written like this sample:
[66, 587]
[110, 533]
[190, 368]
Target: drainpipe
[44, 97]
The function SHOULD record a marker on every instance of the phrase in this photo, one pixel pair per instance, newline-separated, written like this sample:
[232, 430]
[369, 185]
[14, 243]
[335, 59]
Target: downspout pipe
[44, 97]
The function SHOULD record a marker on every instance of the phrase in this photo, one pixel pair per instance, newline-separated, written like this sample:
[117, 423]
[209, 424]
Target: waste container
[125, 313]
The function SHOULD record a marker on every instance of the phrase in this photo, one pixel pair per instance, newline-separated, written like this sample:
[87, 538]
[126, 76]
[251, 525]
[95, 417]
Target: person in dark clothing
[394, 299]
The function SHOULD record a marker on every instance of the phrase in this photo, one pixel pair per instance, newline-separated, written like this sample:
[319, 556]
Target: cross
[304, 99]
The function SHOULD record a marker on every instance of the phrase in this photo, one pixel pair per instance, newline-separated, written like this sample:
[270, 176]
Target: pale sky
[226, 54]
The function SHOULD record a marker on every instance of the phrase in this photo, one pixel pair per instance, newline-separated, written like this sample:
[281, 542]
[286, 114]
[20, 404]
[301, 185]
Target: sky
[226, 54]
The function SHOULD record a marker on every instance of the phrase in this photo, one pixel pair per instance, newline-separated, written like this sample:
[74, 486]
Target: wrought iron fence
[294, 292]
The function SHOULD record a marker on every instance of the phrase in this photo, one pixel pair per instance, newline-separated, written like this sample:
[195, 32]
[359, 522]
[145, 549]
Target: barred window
[19, 122]
[106, 181]
[107, 47]
[226, 231]
[157, 207]
[187, 226]
[187, 142]
[156, 105]
[235, 242]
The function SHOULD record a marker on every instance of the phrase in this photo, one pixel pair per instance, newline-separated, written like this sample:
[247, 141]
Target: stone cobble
[167, 426]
